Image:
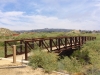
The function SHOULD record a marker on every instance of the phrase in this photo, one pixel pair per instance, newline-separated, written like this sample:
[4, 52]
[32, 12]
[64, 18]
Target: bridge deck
[50, 44]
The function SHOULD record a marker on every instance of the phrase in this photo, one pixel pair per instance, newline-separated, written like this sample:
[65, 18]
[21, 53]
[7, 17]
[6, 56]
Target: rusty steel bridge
[56, 44]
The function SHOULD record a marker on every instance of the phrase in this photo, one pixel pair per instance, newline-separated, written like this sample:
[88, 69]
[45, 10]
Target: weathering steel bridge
[56, 44]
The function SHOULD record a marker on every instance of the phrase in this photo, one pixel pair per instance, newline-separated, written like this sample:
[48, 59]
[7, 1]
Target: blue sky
[37, 14]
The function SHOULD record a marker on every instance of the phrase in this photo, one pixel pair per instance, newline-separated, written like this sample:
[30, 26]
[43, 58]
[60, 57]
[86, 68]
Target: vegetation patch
[45, 60]
[82, 56]
[86, 60]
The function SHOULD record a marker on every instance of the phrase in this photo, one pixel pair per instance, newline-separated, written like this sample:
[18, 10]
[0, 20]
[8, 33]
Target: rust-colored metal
[26, 51]
[5, 49]
[47, 43]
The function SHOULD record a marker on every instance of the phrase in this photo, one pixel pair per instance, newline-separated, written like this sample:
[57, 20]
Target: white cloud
[26, 22]
[13, 13]
[98, 5]
[67, 14]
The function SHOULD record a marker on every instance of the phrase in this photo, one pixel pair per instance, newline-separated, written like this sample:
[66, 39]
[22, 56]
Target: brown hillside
[6, 32]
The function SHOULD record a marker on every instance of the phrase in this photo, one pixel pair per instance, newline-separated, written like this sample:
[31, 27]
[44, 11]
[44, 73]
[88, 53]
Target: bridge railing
[49, 43]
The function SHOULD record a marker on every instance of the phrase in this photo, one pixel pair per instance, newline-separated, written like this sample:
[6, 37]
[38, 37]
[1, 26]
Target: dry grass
[9, 68]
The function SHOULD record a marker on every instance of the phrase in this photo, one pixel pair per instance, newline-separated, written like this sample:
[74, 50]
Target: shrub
[82, 56]
[1, 52]
[92, 71]
[45, 60]
[1, 43]
[43, 36]
[70, 65]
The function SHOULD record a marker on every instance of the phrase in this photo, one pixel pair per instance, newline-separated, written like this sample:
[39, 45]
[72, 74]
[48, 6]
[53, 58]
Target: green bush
[1, 52]
[49, 62]
[92, 71]
[70, 65]
[45, 60]
[81, 56]
[1, 43]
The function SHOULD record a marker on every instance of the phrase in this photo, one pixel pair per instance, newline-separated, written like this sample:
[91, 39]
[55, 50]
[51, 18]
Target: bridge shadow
[67, 52]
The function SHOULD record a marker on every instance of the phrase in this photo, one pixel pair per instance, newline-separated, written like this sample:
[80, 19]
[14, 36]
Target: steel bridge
[57, 44]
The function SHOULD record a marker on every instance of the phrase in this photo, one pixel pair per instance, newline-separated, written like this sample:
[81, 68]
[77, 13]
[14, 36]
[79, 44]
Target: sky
[38, 14]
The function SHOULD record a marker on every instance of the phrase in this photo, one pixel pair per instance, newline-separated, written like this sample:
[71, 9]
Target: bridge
[56, 44]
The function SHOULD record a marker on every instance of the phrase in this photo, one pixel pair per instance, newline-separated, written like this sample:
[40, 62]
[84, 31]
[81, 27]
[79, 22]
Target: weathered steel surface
[60, 43]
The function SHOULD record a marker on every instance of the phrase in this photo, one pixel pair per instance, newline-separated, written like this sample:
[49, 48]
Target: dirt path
[26, 71]
[7, 67]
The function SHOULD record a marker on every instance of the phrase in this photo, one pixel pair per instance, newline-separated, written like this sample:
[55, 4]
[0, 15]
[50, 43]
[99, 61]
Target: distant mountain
[46, 30]
[50, 30]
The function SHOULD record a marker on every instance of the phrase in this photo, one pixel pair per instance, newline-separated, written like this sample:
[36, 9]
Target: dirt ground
[7, 67]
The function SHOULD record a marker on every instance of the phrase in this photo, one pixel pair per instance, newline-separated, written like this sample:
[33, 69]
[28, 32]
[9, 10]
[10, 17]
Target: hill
[6, 32]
